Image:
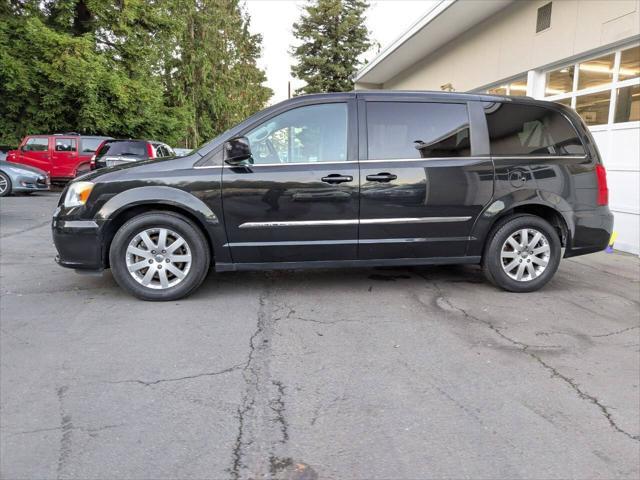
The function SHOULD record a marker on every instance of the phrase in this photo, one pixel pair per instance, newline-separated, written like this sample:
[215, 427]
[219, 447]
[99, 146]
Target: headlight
[78, 194]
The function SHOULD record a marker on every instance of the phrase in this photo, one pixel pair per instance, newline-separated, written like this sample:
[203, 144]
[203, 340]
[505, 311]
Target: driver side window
[315, 133]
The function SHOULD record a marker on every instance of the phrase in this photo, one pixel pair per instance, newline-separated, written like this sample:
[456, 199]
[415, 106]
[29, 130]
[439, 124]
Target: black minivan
[350, 179]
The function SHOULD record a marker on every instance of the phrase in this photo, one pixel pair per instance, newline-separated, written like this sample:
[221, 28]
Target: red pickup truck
[62, 156]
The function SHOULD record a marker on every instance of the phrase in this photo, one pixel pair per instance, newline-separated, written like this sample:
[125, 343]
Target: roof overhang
[447, 20]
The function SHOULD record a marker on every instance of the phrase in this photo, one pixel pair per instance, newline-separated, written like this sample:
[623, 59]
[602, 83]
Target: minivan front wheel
[159, 256]
[522, 254]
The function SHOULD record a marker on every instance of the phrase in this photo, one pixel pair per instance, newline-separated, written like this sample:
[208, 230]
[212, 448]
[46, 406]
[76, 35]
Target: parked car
[351, 179]
[4, 150]
[63, 156]
[182, 152]
[117, 152]
[21, 178]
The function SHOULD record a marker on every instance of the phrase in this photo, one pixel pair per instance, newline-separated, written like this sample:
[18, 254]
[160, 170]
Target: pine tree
[332, 36]
[215, 75]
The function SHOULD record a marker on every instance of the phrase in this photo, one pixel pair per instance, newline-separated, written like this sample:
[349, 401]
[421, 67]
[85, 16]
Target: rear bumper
[78, 243]
[591, 232]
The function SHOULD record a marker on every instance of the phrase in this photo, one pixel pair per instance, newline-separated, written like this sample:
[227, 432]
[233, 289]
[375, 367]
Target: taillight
[603, 190]
[150, 151]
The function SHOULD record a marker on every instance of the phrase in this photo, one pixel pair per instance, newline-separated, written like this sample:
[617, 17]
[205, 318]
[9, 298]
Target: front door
[64, 157]
[421, 187]
[296, 200]
[35, 152]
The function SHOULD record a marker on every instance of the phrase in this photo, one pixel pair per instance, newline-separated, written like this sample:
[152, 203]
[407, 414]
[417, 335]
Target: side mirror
[237, 150]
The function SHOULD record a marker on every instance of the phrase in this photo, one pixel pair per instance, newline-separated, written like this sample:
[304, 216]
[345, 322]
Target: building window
[603, 89]
[594, 108]
[628, 104]
[515, 88]
[559, 81]
[596, 73]
[629, 63]
[544, 18]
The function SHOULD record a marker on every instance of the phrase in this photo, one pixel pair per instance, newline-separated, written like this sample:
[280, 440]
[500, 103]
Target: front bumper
[28, 183]
[79, 243]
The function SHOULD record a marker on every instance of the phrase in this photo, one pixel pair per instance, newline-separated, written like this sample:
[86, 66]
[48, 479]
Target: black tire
[7, 191]
[492, 265]
[199, 249]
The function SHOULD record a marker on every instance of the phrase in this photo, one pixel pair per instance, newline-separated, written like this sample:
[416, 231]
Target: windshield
[131, 148]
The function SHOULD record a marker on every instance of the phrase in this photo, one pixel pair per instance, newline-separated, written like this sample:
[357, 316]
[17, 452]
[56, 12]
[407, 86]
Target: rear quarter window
[530, 130]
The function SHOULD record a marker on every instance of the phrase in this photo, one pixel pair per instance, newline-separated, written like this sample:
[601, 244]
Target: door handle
[337, 178]
[382, 177]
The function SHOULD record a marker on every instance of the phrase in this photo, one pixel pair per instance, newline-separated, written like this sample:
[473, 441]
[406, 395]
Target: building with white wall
[582, 53]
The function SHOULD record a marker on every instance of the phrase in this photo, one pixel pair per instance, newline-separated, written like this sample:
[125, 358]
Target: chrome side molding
[364, 221]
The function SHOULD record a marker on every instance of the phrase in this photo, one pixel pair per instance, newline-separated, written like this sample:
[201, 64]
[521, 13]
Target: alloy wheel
[158, 258]
[525, 254]
[3, 184]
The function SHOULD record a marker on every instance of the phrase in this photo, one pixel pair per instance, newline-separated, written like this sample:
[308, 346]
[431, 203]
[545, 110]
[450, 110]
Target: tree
[332, 37]
[181, 71]
[213, 72]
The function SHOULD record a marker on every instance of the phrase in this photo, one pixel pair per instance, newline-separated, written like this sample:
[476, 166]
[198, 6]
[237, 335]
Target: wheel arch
[501, 209]
[126, 205]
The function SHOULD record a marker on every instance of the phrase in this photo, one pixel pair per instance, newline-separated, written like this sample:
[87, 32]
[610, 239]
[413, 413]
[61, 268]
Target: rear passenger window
[400, 130]
[530, 130]
[65, 145]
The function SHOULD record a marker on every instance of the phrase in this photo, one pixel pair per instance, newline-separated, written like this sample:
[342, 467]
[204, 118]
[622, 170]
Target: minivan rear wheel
[159, 256]
[522, 254]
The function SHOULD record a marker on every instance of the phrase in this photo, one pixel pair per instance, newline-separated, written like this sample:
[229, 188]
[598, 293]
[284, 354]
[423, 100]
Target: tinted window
[317, 133]
[417, 130]
[127, 149]
[65, 145]
[90, 145]
[530, 130]
[36, 144]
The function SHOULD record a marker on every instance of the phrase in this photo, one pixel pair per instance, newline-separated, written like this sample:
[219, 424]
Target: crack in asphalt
[24, 230]
[278, 407]
[66, 426]
[178, 379]
[262, 424]
[571, 334]
[525, 349]
[54, 429]
[617, 332]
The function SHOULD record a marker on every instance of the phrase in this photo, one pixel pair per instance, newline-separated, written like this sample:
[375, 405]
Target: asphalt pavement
[408, 373]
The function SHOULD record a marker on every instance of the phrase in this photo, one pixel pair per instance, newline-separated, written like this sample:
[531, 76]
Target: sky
[273, 19]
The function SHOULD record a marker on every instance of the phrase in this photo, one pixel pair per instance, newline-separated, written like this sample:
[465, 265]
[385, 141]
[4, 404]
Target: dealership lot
[368, 373]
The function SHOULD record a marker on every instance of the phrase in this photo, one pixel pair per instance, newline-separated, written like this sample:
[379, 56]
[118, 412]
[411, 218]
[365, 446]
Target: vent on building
[544, 17]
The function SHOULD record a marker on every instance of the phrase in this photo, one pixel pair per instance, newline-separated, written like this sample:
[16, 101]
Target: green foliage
[181, 71]
[332, 36]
